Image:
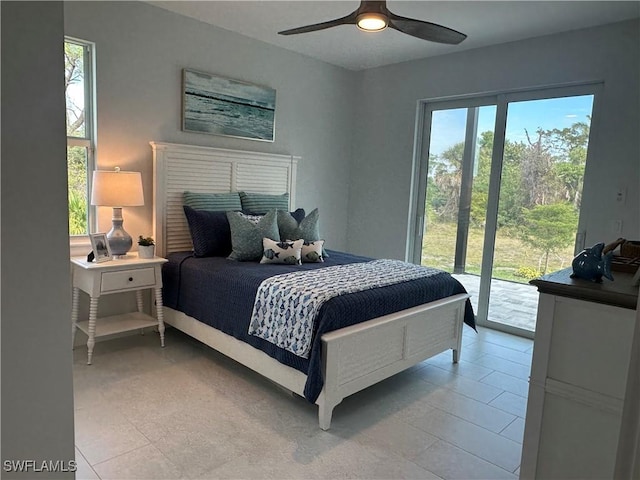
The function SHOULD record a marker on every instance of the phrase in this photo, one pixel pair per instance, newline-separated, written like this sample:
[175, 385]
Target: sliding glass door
[498, 194]
[456, 198]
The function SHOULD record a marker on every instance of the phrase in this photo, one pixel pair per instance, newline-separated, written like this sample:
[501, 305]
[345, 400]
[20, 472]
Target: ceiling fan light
[372, 22]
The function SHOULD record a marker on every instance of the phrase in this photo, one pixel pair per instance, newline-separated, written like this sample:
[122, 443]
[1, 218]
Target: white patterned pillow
[312, 251]
[288, 252]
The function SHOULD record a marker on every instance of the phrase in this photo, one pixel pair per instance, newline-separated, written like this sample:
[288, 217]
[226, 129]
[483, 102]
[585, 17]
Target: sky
[449, 125]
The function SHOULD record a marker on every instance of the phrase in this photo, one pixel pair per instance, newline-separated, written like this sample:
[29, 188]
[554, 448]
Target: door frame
[420, 170]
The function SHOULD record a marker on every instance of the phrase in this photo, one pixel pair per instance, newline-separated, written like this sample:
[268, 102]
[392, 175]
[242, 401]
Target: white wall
[37, 391]
[382, 163]
[141, 51]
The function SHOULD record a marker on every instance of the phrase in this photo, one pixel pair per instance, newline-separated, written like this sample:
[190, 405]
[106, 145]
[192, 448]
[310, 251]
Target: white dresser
[578, 376]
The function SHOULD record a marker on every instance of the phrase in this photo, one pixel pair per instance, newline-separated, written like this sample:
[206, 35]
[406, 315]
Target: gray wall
[37, 390]
[363, 170]
[357, 155]
[382, 162]
[141, 51]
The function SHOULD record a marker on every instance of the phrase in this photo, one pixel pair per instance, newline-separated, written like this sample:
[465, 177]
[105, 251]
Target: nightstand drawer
[125, 279]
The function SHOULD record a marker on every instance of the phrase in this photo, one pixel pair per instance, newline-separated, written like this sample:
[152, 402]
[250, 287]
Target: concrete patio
[510, 303]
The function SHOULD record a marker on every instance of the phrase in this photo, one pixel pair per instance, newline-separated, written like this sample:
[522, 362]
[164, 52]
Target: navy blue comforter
[221, 292]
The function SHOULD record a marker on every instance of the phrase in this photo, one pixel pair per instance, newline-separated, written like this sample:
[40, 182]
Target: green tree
[537, 163]
[76, 155]
[512, 195]
[482, 173]
[74, 75]
[569, 146]
[446, 172]
[549, 228]
[77, 189]
[434, 198]
[546, 169]
[77, 213]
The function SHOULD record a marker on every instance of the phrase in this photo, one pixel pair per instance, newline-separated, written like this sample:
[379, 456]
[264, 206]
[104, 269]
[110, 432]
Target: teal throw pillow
[246, 236]
[291, 229]
[212, 202]
[261, 203]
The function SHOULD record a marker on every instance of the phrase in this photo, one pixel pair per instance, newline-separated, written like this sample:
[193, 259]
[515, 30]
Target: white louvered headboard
[178, 168]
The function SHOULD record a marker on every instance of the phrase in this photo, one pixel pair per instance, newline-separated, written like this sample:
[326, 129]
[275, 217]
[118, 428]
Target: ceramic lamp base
[120, 241]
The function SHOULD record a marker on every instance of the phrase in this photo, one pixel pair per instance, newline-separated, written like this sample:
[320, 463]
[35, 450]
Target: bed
[348, 353]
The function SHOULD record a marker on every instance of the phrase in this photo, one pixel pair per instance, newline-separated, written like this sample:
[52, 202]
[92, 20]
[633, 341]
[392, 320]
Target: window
[79, 95]
[503, 176]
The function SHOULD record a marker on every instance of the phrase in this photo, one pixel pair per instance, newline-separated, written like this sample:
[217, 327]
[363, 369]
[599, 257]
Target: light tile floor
[187, 412]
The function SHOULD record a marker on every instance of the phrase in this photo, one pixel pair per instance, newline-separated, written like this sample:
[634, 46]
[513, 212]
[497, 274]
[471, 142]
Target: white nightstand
[116, 276]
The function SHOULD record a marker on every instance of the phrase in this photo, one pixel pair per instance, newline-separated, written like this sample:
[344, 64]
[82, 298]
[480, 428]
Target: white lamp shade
[117, 189]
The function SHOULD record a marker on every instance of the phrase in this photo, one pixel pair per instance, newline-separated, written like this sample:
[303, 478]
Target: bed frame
[353, 358]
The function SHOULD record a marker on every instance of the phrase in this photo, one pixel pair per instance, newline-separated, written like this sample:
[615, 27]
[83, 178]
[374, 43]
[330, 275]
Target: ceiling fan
[374, 16]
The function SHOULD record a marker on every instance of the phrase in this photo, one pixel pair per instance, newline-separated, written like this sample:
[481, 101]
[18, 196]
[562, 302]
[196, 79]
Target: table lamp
[117, 189]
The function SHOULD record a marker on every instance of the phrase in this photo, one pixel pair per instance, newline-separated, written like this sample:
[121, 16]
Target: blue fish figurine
[590, 264]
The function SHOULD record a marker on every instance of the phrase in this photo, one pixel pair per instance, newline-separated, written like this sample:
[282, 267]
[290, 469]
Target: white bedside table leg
[140, 306]
[160, 315]
[93, 314]
[139, 300]
[74, 315]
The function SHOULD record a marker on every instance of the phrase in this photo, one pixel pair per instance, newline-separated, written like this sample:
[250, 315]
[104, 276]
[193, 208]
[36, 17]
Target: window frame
[89, 140]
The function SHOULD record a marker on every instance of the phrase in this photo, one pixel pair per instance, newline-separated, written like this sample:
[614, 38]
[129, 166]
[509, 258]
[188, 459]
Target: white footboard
[355, 357]
[359, 356]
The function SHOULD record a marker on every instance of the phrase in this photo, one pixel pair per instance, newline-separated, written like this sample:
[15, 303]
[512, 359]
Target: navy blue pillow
[299, 214]
[210, 232]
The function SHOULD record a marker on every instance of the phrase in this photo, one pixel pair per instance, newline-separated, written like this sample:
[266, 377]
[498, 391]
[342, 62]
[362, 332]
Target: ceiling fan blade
[425, 30]
[348, 20]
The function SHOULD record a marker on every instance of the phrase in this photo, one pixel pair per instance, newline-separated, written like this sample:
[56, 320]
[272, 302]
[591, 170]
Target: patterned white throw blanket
[286, 305]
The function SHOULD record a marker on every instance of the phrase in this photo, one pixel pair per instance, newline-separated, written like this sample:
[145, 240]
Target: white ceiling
[485, 23]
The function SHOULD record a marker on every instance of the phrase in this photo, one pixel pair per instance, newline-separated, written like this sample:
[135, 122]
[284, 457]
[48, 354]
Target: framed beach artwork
[223, 106]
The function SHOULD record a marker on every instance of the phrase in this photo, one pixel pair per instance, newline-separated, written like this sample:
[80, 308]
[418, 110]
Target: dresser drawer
[126, 279]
